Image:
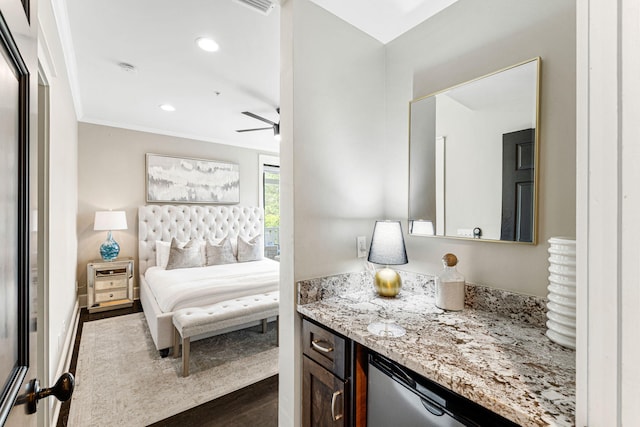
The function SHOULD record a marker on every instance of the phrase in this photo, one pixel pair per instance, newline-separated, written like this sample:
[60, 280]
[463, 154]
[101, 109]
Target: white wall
[467, 40]
[339, 146]
[333, 162]
[63, 184]
[111, 171]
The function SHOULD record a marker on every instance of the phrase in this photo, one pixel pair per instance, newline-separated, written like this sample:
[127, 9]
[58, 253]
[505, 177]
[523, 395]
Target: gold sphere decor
[387, 282]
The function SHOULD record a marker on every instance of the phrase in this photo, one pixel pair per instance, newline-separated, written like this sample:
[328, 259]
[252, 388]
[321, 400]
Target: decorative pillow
[220, 252]
[188, 256]
[250, 250]
[162, 253]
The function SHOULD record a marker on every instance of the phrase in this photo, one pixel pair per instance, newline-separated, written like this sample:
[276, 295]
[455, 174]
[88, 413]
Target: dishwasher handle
[395, 371]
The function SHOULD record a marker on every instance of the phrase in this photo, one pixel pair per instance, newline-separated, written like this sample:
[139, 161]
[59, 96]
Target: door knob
[62, 390]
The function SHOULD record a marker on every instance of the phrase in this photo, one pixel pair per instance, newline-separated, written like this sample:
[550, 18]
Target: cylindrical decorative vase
[561, 308]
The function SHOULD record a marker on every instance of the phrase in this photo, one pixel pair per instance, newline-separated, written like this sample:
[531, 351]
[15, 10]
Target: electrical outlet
[361, 245]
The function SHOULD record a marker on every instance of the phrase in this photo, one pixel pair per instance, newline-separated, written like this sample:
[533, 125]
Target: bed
[162, 291]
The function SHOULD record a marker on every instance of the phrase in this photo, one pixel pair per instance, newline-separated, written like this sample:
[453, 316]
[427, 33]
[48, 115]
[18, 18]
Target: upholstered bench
[189, 322]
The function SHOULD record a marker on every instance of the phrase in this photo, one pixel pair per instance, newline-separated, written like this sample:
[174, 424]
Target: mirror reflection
[472, 158]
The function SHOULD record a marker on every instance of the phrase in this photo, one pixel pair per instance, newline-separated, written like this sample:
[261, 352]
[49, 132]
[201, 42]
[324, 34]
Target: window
[270, 201]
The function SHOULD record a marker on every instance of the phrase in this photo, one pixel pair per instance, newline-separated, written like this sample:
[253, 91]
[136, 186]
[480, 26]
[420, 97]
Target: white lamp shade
[422, 227]
[387, 244]
[110, 220]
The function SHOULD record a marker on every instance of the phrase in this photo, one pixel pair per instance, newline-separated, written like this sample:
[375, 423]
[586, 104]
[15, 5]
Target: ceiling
[209, 90]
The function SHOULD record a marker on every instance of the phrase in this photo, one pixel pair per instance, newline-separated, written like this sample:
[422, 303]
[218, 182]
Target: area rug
[121, 380]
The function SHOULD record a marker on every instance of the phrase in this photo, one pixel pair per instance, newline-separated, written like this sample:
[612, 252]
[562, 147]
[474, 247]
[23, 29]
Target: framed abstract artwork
[187, 180]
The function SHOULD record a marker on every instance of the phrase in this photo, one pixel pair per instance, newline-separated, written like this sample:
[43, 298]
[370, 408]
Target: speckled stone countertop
[494, 352]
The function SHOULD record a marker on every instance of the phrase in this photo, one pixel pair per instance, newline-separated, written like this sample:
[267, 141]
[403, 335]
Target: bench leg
[277, 331]
[264, 326]
[176, 343]
[186, 342]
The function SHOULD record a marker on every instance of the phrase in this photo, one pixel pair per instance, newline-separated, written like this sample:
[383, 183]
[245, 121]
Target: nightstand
[109, 284]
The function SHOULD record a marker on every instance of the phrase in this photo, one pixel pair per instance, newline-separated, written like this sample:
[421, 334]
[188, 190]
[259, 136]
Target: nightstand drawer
[107, 272]
[111, 296]
[111, 283]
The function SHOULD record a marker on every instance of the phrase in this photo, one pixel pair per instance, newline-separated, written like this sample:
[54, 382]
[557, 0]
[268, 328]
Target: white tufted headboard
[162, 222]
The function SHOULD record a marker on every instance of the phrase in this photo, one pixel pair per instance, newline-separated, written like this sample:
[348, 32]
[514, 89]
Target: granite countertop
[508, 366]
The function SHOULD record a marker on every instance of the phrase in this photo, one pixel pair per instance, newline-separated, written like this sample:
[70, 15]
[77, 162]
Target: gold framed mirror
[473, 158]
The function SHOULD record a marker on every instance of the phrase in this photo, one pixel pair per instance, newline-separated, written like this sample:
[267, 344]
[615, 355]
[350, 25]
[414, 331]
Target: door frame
[607, 212]
[44, 369]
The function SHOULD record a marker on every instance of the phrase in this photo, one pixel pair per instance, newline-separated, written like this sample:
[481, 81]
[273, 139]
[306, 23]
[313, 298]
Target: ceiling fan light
[207, 44]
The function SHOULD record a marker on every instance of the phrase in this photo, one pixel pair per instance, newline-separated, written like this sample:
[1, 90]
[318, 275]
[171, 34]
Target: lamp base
[387, 282]
[110, 249]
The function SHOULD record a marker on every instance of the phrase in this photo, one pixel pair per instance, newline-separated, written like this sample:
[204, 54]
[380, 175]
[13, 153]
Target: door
[18, 204]
[518, 172]
[17, 309]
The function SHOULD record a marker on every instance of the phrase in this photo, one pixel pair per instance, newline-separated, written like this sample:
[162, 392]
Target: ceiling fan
[273, 125]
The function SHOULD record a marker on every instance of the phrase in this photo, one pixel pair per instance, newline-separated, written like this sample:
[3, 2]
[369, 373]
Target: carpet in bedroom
[122, 380]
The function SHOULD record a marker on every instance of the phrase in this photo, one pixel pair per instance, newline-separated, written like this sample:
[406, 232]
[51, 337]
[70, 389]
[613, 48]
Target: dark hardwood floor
[253, 406]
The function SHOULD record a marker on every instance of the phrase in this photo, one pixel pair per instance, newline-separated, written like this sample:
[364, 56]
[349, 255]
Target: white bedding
[199, 286]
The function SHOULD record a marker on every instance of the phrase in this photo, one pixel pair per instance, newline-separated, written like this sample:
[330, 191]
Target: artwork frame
[171, 179]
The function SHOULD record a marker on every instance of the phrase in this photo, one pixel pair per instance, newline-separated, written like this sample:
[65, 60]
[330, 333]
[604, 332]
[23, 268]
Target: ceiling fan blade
[251, 130]
[255, 116]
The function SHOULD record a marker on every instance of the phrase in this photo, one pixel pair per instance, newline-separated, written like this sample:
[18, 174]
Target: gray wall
[465, 41]
[111, 175]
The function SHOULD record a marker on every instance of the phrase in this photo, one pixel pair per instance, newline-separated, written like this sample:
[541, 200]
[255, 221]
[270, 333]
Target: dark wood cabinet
[323, 397]
[327, 384]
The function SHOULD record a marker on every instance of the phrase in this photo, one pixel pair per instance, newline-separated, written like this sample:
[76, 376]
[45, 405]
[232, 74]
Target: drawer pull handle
[318, 347]
[333, 406]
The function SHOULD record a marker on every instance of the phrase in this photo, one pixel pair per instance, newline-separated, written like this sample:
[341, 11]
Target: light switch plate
[361, 245]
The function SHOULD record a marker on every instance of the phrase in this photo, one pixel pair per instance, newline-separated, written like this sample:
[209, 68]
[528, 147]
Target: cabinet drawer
[103, 283]
[325, 347]
[111, 296]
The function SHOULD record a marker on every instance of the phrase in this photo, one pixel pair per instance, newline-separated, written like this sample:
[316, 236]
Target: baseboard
[65, 359]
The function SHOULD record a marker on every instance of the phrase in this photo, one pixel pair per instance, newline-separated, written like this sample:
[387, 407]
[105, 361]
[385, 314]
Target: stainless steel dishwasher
[398, 397]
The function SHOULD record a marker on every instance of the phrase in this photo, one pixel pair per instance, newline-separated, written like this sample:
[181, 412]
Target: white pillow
[250, 250]
[220, 252]
[164, 248]
[187, 255]
[162, 253]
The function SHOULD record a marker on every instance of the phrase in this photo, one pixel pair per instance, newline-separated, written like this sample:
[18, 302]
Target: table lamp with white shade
[110, 221]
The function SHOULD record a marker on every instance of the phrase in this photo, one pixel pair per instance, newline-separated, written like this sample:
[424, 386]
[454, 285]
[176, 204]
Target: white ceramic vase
[561, 308]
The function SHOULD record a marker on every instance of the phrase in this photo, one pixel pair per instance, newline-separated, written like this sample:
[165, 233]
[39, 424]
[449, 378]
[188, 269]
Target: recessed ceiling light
[167, 107]
[207, 44]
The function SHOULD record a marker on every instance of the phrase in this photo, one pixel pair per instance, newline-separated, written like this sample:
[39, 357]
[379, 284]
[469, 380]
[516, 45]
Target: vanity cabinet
[333, 385]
